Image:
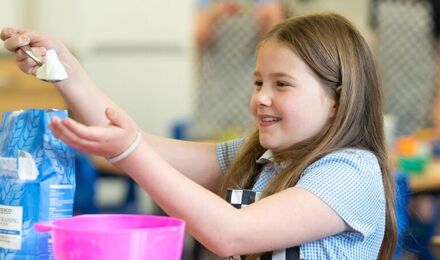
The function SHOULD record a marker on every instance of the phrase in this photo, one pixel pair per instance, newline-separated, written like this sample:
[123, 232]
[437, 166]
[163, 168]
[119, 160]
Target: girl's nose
[262, 98]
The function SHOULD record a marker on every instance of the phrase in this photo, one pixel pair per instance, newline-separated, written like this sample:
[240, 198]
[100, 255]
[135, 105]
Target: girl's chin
[271, 144]
[267, 144]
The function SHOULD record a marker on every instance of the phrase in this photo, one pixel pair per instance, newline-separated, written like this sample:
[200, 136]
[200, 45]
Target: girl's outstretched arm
[88, 104]
[285, 219]
[79, 92]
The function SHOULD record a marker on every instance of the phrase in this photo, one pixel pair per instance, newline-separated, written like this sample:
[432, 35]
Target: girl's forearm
[181, 155]
[86, 101]
[208, 217]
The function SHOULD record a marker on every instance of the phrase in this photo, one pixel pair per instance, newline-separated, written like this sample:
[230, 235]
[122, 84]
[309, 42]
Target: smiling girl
[311, 181]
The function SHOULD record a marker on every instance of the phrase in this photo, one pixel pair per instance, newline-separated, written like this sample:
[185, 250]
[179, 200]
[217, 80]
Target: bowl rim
[62, 224]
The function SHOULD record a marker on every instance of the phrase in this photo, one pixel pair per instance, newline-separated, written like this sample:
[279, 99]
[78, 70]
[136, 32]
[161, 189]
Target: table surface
[428, 181]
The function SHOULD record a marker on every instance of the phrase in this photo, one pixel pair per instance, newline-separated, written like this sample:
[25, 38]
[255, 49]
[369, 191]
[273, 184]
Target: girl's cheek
[252, 105]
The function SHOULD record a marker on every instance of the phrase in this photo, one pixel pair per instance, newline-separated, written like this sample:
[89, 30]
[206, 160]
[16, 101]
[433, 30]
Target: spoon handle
[31, 54]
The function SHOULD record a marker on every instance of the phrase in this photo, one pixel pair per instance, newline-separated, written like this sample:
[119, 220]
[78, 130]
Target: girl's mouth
[269, 120]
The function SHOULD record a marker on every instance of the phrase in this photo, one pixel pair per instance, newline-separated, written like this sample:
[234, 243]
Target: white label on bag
[11, 218]
[60, 201]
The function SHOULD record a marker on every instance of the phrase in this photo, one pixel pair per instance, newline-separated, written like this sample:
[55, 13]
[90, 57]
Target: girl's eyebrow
[281, 74]
[276, 74]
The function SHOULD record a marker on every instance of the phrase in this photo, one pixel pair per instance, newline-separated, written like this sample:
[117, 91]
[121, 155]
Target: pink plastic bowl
[116, 237]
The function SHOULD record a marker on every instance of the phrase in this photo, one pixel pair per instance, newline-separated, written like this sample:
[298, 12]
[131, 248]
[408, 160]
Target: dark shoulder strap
[253, 179]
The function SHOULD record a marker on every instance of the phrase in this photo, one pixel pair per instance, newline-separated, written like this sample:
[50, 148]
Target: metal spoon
[31, 54]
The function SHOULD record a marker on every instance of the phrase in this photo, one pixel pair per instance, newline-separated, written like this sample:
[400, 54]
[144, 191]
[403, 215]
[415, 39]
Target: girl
[316, 161]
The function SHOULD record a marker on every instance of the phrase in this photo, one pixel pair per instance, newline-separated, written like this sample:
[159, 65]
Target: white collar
[266, 157]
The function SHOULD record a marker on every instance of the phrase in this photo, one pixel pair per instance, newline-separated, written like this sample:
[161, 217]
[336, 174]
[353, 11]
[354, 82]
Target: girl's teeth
[269, 119]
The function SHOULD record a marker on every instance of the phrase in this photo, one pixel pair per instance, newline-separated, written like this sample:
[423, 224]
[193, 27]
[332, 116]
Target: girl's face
[289, 104]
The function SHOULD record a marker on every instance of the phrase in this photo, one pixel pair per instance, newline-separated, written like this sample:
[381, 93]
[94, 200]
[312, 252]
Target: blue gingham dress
[350, 182]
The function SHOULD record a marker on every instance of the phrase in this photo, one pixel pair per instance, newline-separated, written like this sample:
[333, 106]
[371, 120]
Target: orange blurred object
[407, 146]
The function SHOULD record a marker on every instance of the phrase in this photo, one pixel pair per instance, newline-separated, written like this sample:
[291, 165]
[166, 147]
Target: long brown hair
[341, 59]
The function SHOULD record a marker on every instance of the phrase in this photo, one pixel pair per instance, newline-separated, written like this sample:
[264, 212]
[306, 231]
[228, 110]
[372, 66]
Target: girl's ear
[334, 111]
[338, 91]
[336, 104]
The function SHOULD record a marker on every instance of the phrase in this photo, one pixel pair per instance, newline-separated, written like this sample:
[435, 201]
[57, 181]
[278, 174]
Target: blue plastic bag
[37, 182]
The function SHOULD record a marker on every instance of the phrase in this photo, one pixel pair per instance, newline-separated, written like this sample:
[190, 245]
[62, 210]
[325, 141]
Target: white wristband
[127, 151]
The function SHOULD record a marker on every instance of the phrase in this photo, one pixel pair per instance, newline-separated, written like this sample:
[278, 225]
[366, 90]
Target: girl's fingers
[7, 32]
[61, 132]
[71, 129]
[90, 133]
[16, 41]
[117, 118]
[71, 138]
[41, 53]
[32, 70]
[20, 56]
[100, 140]
[13, 41]
[28, 66]
[36, 38]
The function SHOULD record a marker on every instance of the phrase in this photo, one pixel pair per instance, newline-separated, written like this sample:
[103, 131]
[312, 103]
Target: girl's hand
[107, 141]
[15, 38]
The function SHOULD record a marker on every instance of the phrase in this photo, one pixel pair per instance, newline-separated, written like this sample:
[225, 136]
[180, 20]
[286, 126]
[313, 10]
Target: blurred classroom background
[142, 53]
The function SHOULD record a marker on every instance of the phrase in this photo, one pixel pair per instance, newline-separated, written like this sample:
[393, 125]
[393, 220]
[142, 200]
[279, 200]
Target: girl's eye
[258, 83]
[282, 84]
